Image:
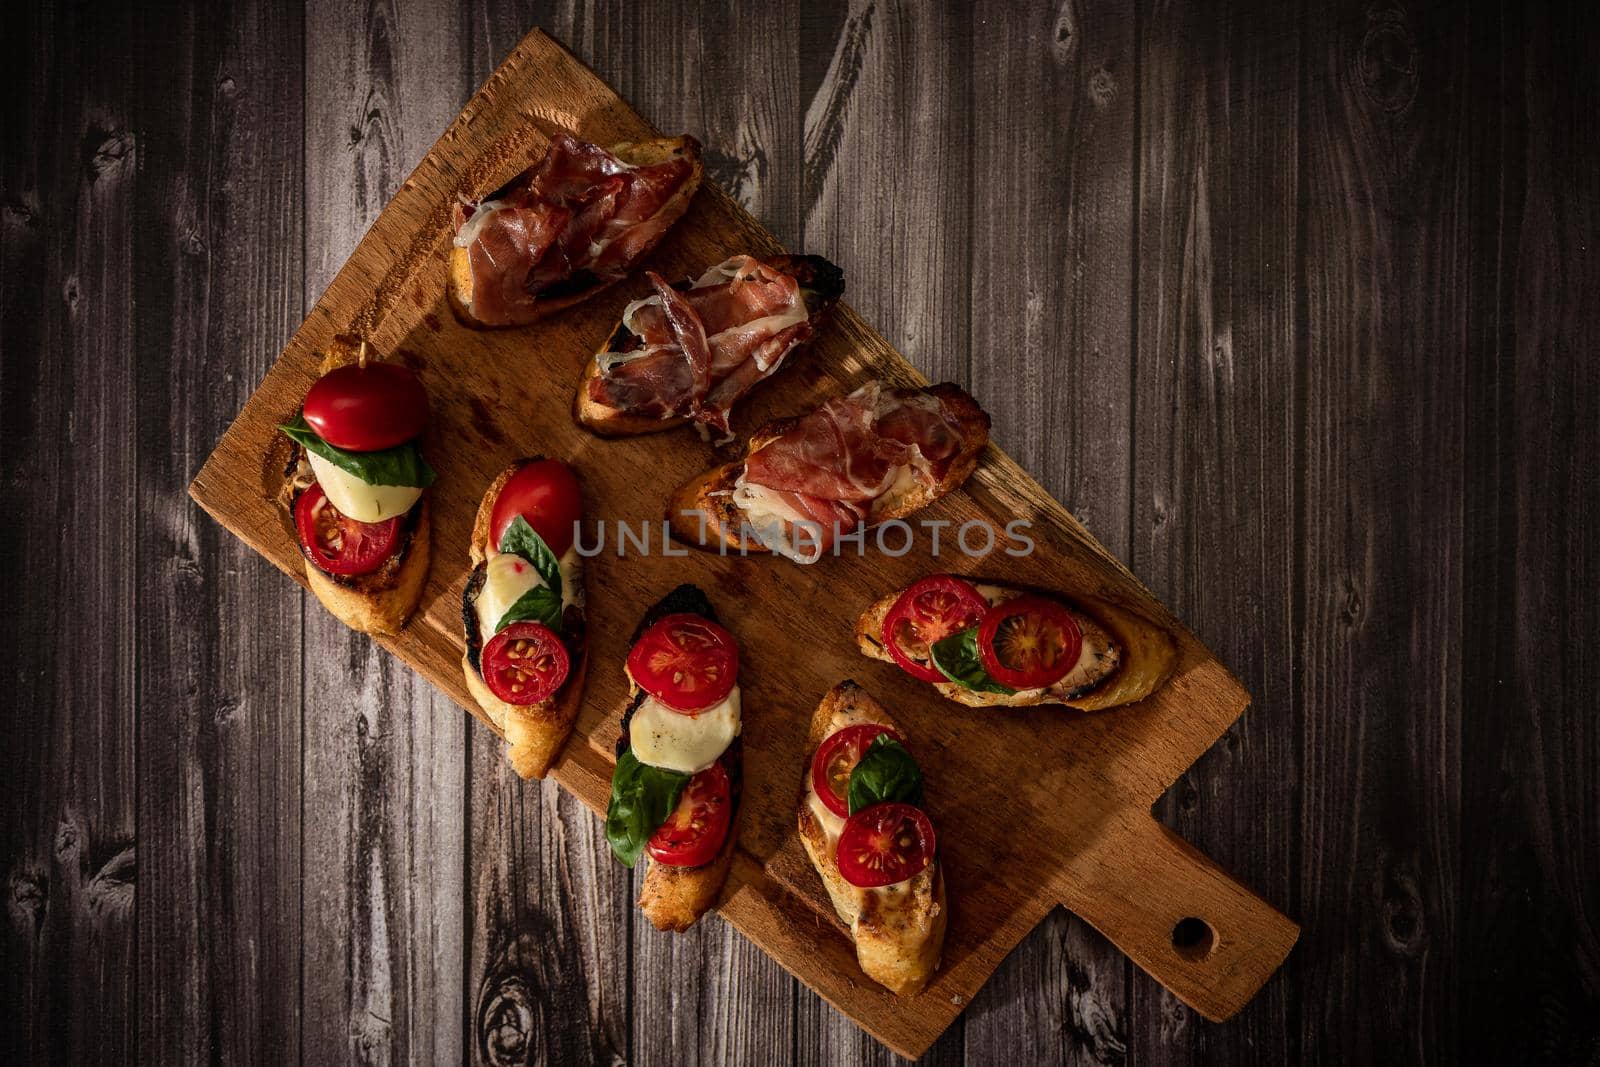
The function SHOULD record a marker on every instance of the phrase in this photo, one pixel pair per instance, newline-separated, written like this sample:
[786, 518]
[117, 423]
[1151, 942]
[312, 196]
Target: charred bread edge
[695, 497]
[636, 153]
[901, 976]
[674, 898]
[364, 605]
[1149, 653]
[547, 724]
[826, 289]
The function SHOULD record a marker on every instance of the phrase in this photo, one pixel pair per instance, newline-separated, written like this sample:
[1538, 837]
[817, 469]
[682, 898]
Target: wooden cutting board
[1035, 807]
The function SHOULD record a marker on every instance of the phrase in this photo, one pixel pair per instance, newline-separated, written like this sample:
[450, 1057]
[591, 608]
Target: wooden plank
[893, 90]
[67, 393]
[218, 135]
[1526, 935]
[549, 971]
[731, 79]
[1119, 762]
[1052, 278]
[1386, 274]
[385, 756]
[1213, 442]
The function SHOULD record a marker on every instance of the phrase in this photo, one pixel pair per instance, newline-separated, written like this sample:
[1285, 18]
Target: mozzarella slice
[507, 577]
[673, 741]
[360, 501]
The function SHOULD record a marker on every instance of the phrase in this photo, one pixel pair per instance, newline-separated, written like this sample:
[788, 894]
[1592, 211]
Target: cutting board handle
[1175, 913]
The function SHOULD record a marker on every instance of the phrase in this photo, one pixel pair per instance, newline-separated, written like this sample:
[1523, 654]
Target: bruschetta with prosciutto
[676, 788]
[987, 643]
[876, 454]
[575, 222]
[689, 351]
[355, 488]
[523, 611]
[863, 823]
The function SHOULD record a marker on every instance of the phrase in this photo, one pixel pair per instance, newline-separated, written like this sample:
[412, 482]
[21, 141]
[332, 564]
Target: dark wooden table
[1294, 304]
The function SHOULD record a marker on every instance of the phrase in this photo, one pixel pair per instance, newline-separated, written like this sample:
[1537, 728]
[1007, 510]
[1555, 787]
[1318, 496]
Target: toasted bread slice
[1127, 657]
[701, 512]
[377, 603]
[534, 733]
[899, 936]
[636, 153]
[674, 898]
[821, 286]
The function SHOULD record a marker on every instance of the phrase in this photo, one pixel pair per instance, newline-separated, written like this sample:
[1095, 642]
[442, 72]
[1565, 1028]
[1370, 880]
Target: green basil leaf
[642, 798]
[523, 540]
[400, 465]
[956, 657]
[886, 772]
[539, 604]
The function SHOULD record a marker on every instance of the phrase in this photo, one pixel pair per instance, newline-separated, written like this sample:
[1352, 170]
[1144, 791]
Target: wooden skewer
[361, 355]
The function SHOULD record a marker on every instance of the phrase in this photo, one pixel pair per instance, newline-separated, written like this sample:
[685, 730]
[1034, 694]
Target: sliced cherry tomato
[1029, 642]
[686, 661]
[928, 611]
[885, 844]
[545, 492]
[365, 409]
[695, 830]
[339, 544]
[525, 663]
[836, 758]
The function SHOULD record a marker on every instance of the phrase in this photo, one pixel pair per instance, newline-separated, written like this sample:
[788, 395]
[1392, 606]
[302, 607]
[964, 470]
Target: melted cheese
[358, 500]
[776, 523]
[507, 577]
[673, 741]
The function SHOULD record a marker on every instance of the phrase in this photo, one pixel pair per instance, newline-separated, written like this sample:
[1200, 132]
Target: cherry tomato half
[686, 661]
[339, 544]
[928, 611]
[1029, 642]
[695, 830]
[365, 409]
[545, 492]
[836, 758]
[525, 663]
[885, 844]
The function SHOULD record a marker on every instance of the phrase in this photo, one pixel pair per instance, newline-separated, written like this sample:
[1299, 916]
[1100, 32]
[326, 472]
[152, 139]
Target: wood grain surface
[1296, 302]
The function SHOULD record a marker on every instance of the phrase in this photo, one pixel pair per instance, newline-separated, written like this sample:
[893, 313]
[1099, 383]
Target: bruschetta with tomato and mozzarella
[523, 610]
[877, 454]
[689, 351]
[986, 643]
[675, 791]
[863, 824]
[575, 222]
[355, 488]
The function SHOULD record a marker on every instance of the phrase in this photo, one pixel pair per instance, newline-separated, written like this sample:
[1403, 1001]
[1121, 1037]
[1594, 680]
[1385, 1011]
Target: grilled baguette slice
[636, 153]
[701, 512]
[899, 938]
[533, 733]
[674, 898]
[821, 285]
[378, 603]
[1136, 656]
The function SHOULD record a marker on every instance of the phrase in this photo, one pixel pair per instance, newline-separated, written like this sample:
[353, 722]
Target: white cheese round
[357, 499]
[507, 577]
[688, 744]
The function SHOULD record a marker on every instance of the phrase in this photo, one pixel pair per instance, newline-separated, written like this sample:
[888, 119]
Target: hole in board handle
[1193, 939]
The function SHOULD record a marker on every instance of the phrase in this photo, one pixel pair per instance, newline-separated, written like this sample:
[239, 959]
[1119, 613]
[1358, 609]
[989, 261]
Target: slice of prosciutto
[577, 218]
[747, 316]
[835, 468]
